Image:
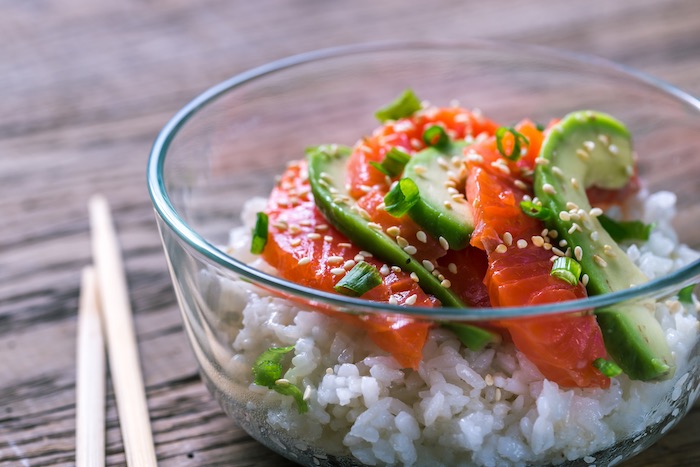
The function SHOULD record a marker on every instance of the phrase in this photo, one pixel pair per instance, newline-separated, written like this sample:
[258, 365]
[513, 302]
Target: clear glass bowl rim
[166, 211]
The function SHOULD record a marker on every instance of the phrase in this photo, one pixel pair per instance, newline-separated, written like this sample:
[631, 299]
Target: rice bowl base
[488, 408]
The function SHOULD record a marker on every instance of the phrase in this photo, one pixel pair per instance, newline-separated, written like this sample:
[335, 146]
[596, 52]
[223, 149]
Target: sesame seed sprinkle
[589, 145]
[428, 265]
[574, 182]
[557, 251]
[403, 243]
[553, 234]
[415, 277]
[578, 253]
[600, 261]
[393, 301]
[421, 236]
[583, 155]
[304, 260]
[508, 238]
[537, 240]
[393, 231]
[447, 204]
[502, 248]
[565, 216]
[541, 161]
[338, 271]
[570, 205]
[410, 249]
[358, 258]
[384, 270]
[563, 243]
[520, 184]
[349, 264]
[295, 242]
[335, 259]
[313, 236]
[366, 253]
[396, 269]
[412, 299]
[585, 279]
[557, 171]
[574, 227]
[549, 189]
[594, 235]
[444, 243]
[452, 267]
[374, 225]
[327, 238]
[613, 149]
[446, 283]
[595, 212]
[521, 243]
[345, 245]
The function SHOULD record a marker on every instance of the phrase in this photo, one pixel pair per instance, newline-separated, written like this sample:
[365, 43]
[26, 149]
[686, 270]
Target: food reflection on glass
[443, 207]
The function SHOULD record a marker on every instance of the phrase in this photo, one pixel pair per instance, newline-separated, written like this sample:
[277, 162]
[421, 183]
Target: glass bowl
[227, 146]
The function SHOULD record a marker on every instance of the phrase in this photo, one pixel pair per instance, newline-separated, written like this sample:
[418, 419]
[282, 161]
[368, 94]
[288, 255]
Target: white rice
[488, 408]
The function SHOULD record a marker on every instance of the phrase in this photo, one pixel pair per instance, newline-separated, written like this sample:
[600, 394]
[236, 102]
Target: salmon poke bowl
[439, 254]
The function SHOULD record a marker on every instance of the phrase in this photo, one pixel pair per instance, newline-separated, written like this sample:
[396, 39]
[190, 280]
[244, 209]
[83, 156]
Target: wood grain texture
[84, 88]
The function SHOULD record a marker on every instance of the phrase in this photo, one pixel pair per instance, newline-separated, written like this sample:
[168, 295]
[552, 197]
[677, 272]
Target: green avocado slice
[440, 209]
[589, 148]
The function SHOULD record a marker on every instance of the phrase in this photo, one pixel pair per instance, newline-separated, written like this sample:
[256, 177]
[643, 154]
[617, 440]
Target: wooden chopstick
[90, 386]
[121, 340]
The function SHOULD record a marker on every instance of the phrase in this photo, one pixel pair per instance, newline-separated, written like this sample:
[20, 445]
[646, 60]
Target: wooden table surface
[84, 88]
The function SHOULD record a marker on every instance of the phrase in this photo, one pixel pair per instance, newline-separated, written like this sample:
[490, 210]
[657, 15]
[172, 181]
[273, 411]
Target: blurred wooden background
[84, 88]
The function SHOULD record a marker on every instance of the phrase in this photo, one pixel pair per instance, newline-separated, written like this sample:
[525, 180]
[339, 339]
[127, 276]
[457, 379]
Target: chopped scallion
[403, 106]
[436, 137]
[259, 240]
[393, 163]
[607, 368]
[685, 295]
[267, 371]
[566, 269]
[362, 278]
[401, 197]
[625, 230]
[535, 210]
[518, 140]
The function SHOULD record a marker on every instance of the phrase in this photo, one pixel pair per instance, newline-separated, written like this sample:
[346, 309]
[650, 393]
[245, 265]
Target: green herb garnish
[606, 367]
[625, 230]
[566, 269]
[518, 140]
[685, 295]
[362, 278]
[535, 210]
[436, 137]
[393, 163]
[404, 106]
[402, 197]
[267, 371]
[257, 244]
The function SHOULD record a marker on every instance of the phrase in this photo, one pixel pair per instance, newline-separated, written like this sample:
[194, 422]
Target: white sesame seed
[446, 283]
[415, 277]
[570, 205]
[582, 154]
[358, 257]
[613, 149]
[313, 236]
[294, 229]
[393, 301]
[565, 216]
[393, 231]
[502, 248]
[444, 243]
[452, 267]
[282, 382]
[335, 259]
[589, 145]
[541, 161]
[345, 245]
[574, 227]
[421, 236]
[447, 204]
[366, 254]
[520, 184]
[608, 250]
[327, 238]
[553, 258]
[557, 171]
[384, 270]
[574, 183]
[595, 212]
[475, 157]
[605, 139]
[338, 271]
[547, 246]
[282, 225]
[412, 299]
[549, 189]
[578, 253]
[601, 262]
[307, 393]
[381, 206]
[557, 251]
[594, 235]
[419, 169]
[396, 269]
[585, 279]
[563, 243]
[402, 241]
[428, 265]
[521, 243]
[374, 225]
[410, 249]
[304, 260]
[508, 238]
[442, 162]
[295, 242]
[553, 234]
[501, 166]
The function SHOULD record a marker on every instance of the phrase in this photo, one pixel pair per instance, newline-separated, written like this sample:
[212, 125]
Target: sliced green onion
[401, 197]
[362, 278]
[393, 163]
[436, 137]
[257, 245]
[535, 210]
[566, 269]
[518, 140]
[606, 367]
[267, 371]
[540, 127]
[685, 295]
[403, 106]
[625, 230]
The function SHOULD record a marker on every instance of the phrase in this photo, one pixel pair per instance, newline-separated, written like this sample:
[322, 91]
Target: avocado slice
[440, 210]
[589, 148]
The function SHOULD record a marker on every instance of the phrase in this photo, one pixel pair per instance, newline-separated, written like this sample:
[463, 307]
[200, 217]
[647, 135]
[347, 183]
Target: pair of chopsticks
[104, 310]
